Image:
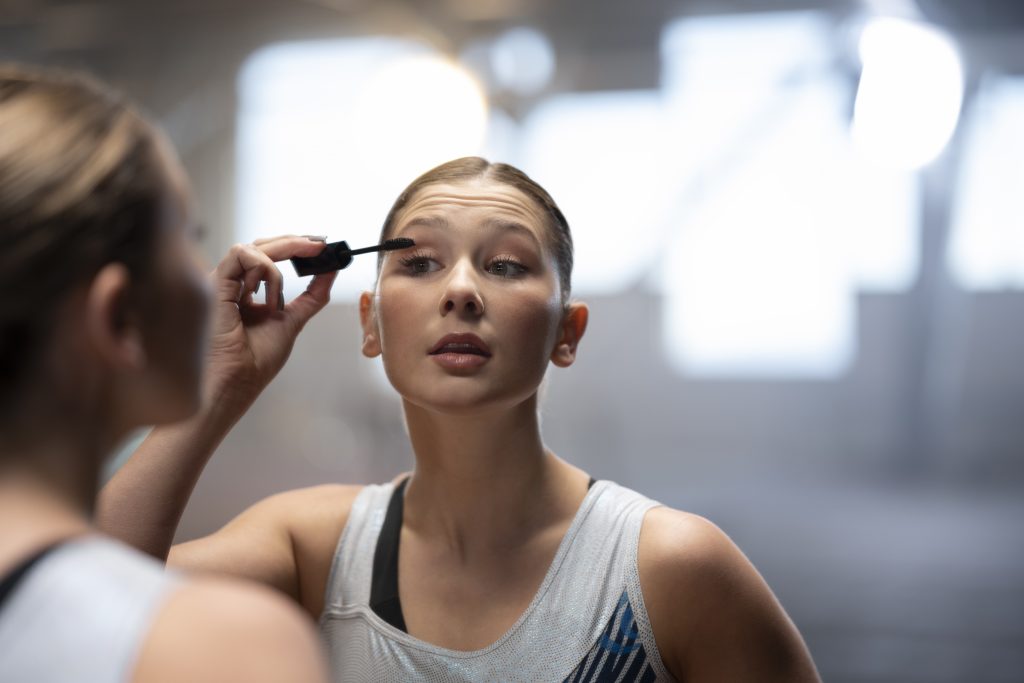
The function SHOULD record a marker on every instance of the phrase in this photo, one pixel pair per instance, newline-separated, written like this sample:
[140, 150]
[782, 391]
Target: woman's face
[470, 317]
[178, 304]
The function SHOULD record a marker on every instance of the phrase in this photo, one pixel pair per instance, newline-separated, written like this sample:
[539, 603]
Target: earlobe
[574, 324]
[368, 321]
[110, 321]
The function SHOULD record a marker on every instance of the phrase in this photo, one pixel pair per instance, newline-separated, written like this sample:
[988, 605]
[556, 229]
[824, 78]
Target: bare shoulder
[322, 502]
[286, 541]
[214, 629]
[315, 518]
[316, 514]
[713, 616]
[672, 537]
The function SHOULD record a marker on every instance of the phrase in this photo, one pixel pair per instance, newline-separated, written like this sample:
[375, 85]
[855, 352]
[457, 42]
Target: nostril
[471, 305]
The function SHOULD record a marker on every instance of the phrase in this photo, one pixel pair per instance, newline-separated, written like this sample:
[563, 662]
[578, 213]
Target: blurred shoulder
[218, 629]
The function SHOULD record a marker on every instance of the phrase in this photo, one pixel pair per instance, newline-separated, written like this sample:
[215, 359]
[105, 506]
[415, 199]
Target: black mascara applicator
[337, 256]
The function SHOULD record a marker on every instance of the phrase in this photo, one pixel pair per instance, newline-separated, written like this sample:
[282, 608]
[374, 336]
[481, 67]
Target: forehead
[472, 201]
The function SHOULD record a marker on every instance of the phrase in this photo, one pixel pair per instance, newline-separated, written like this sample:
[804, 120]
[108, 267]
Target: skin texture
[471, 554]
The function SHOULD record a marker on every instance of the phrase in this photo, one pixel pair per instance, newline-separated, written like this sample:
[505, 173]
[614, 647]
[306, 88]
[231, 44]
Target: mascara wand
[337, 256]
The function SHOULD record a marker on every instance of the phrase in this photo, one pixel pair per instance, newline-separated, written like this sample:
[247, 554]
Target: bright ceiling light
[910, 92]
[523, 60]
[416, 112]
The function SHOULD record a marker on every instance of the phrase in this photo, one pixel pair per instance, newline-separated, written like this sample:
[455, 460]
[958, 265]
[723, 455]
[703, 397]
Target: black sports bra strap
[14, 577]
[384, 599]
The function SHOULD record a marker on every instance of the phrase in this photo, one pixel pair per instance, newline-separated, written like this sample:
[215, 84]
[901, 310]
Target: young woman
[494, 559]
[102, 326]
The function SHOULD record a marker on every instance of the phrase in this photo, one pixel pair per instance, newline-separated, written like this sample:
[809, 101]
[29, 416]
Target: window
[987, 245]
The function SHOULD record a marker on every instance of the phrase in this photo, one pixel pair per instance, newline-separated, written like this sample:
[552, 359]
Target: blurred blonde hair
[81, 185]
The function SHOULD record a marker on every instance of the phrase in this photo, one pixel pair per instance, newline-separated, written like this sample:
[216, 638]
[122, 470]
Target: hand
[250, 342]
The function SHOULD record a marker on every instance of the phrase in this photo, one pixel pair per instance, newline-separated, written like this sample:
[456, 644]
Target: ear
[111, 323]
[574, 324]
[368, 320]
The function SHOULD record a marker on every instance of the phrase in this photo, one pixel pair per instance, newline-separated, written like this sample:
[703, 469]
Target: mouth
[460, 344]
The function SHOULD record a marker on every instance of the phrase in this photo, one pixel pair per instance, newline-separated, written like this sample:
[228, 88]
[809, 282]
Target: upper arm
[225, 631]
[714, 617]
[285, 541]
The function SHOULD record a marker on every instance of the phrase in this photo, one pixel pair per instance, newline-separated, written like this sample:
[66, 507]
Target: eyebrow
[425, 221]
[441, 222]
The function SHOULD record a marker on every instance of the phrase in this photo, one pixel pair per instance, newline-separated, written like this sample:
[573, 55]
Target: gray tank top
[81, 614]
[587, 621]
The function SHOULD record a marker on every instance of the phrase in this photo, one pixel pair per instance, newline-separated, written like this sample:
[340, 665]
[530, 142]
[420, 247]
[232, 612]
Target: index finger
[287, 246]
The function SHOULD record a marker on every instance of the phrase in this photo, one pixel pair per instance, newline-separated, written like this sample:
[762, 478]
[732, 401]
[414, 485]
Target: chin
[458, 402]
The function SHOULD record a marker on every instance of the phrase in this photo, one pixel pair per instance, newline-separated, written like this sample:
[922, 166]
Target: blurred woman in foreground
[103, 327]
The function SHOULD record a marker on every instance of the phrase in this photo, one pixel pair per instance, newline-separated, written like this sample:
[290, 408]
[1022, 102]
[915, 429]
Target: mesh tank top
[587, 621]
[81, 614]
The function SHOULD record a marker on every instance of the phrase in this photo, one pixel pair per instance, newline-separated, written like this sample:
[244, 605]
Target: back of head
[80, 187]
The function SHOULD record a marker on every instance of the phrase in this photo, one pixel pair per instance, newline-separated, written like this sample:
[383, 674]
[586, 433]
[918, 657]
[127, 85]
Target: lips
[463, 343]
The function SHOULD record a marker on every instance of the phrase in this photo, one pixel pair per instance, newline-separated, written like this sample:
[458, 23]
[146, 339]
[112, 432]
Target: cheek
[193, 295]
[183, 325]
[532, 321]
[401, 309]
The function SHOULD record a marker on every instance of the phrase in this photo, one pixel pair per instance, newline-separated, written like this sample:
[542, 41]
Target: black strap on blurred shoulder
[14, 577]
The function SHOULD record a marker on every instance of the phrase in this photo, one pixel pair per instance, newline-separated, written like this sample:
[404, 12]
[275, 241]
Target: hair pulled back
[81, 186]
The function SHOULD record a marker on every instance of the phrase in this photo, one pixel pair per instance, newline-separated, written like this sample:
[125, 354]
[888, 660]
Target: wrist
[226, 396]
[197, 437]
[221, 407]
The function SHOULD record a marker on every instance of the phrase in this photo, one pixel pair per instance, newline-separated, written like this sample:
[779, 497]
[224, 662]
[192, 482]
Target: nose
[461, 294]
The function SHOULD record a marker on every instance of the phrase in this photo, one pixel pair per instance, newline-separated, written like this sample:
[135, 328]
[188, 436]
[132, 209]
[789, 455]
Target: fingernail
[280, 299]
[316, 238]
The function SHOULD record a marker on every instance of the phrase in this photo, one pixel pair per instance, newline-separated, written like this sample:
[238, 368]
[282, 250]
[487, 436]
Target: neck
[53, 462]
[38, 507]
[486, 479]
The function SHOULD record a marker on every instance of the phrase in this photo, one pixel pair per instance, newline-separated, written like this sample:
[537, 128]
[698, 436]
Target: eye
[419, 264]
[506, 266]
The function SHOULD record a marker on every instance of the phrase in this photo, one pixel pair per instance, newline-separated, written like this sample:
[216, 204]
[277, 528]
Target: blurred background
[799, 226]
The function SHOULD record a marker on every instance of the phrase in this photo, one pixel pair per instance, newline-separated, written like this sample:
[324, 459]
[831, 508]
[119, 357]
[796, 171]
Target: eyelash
[414, 258]
[508, 261]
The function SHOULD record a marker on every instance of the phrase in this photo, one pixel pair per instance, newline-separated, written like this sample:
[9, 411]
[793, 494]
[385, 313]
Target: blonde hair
[81, 185]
